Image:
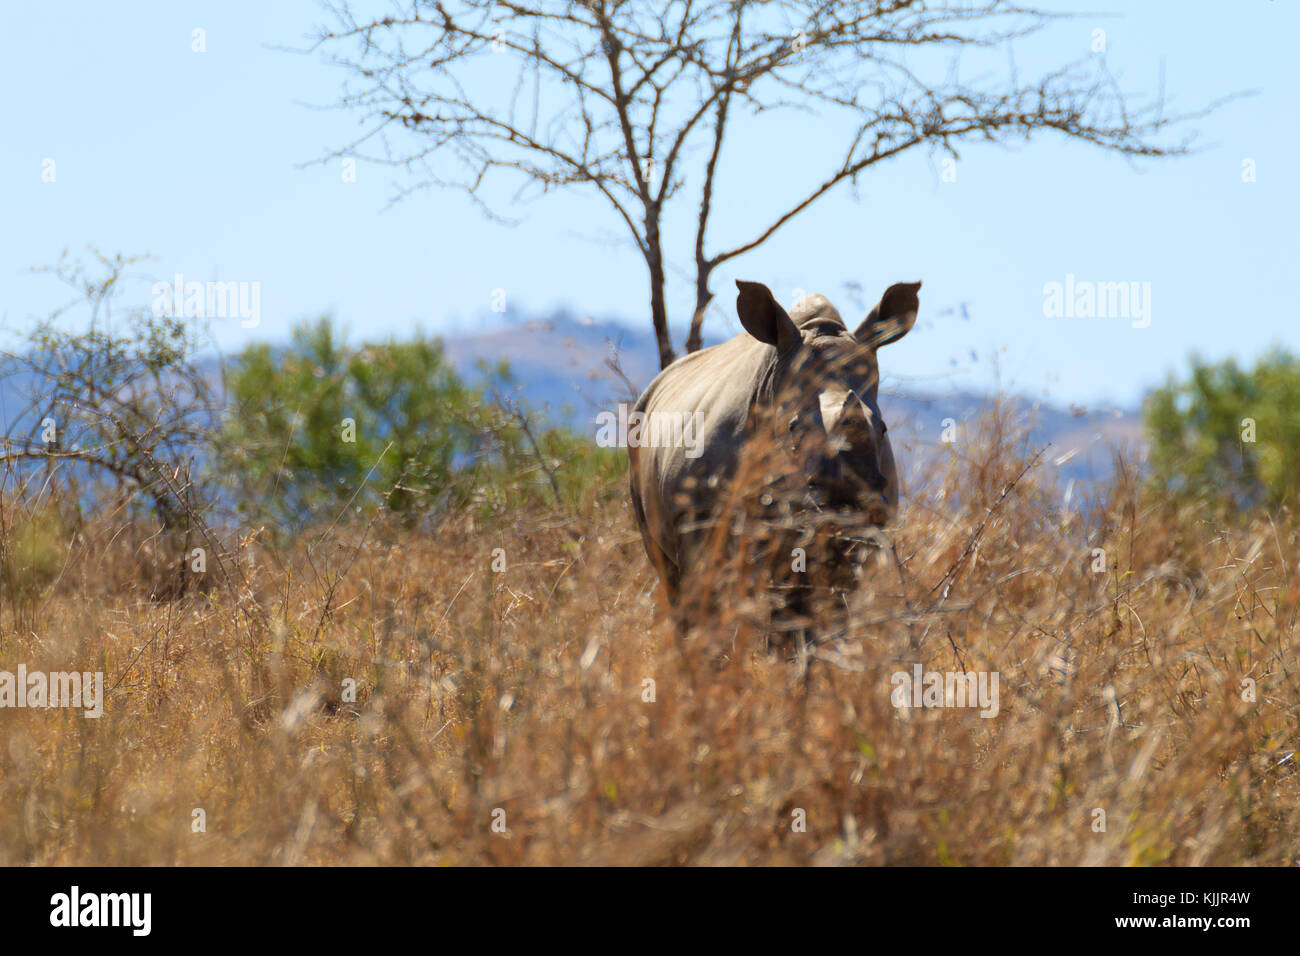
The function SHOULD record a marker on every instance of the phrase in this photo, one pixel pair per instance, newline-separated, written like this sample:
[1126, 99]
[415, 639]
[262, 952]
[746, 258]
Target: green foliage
[33, 552]
[318, 429]
[1201, 432]
[33, 549]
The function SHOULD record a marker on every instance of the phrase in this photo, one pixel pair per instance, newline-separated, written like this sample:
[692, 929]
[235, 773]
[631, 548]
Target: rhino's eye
[794, 422]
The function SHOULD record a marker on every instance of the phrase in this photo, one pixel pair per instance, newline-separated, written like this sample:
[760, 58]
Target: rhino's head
[819, 395]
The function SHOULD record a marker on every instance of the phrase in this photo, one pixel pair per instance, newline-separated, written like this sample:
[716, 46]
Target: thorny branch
[634, 100]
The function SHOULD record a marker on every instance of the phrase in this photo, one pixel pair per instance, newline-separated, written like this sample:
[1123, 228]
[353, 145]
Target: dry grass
[525, 692]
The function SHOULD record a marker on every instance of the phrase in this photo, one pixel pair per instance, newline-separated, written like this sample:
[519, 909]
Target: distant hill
[560, 361]
[560, 367]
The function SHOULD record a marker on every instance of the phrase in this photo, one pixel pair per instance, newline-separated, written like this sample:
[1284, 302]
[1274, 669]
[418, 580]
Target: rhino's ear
[763, 317]
[893, 317]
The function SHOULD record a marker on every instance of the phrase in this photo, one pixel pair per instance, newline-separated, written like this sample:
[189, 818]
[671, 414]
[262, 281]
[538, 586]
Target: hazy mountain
[559, 365]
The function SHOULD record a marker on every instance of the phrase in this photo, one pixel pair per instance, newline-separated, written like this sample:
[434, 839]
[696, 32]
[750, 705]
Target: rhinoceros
[800, 381]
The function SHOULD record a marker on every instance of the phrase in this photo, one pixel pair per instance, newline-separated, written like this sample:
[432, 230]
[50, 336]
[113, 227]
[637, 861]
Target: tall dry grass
[550, 713]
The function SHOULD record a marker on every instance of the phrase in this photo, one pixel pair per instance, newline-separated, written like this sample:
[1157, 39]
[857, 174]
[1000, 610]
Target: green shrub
[1229, 435]
[319, 428]
[31, 557]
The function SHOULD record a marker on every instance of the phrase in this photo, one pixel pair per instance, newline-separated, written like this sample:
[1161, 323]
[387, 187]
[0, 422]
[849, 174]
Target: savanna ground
[507, 716]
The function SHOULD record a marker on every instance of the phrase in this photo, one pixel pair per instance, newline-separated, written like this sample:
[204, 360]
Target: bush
[32, 552]
[1227, 435]
[320, 428]
[121, 400]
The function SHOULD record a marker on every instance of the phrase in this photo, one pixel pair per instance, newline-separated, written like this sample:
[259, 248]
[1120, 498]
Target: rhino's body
[806, 364]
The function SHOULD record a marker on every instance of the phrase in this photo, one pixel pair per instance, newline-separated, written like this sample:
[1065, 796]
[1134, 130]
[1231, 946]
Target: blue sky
[198, 160]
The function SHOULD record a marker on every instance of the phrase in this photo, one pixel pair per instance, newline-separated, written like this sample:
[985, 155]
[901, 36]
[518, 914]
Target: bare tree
[633, 99]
